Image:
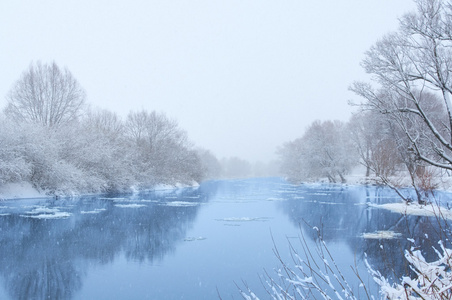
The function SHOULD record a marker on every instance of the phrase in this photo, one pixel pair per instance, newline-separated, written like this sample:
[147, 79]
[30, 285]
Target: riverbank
[25, 190]
[20, 190]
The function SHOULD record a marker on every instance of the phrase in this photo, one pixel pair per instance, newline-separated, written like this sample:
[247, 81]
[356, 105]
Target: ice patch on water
[96, 211]
[3, 215]
[181, 203]
[331, 203]
[191, 239]
[43, 210]
[134, 205]
[416, 210]
[242, 219]
[275, 199]
[379, 235]
[56, 215]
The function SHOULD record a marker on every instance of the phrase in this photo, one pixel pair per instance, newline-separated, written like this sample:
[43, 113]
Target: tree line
[50, 137]
[403, 127]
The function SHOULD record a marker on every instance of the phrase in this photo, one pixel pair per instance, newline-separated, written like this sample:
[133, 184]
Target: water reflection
[47, 257]
[342, 213]
[48, 249]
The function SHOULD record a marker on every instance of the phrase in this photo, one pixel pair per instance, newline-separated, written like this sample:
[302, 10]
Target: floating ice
[43, 210]
[242, 219]
[275, 199]
[380, 235]
[181, 203]
[416, 210]
[134, 205]
[191, 239]
[56, 215]
[96, 211]
[331, 203]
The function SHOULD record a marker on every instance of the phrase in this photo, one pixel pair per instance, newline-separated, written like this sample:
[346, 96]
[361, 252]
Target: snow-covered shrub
[313, 274]
[97, 154]
[433, 280]
[13, 166]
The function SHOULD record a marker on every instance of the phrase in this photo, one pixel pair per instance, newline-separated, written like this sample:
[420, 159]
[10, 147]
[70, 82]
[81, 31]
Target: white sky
[241, 77]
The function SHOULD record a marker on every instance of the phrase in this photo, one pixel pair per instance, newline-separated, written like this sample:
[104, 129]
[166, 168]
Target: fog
[241, 77]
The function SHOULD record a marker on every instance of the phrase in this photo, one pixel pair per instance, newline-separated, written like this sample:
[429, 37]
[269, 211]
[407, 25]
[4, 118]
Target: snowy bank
[20, 190]
[25, 190]
[414, 209]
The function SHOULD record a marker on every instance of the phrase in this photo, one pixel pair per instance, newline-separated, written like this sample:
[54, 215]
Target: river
[197, 243]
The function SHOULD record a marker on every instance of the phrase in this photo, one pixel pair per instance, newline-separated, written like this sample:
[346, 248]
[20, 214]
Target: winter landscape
[131, 203]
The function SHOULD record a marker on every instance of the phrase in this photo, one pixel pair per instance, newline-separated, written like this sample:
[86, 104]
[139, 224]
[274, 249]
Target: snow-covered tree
[412, 89]
[46, 95]
[13, 164]
[370, 135]
[210, 164]
[50, 140]
[293, 163]
[324, 151]
[411, 68]
[163, 152]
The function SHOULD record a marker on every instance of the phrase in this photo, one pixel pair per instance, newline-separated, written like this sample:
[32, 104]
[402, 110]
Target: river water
[197, 243]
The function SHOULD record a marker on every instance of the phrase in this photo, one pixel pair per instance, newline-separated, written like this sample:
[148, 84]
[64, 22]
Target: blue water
[194, 243]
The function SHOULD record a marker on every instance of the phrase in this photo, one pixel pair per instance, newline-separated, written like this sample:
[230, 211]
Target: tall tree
[412, 71]
[47, 95]
[412, 89]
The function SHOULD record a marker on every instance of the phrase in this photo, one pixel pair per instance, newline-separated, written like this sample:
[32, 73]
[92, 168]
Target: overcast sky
[241, 77]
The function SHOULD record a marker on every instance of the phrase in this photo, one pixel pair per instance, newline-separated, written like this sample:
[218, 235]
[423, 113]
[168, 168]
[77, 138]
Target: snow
[191, 239]
[56, 215]
[242, 219]
[25, 190]
[433, 280]
[42, 212]
[20, 190]
[275, 199]
[379, 235]
[415, 209]
[134, 205]
[96, 211]
[164, 187]
[181, 203]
